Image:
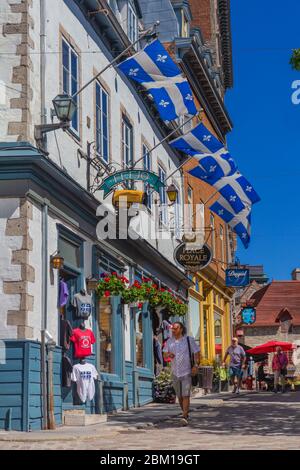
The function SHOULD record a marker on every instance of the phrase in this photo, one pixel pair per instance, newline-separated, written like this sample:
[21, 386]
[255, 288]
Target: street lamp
[92, 283]
[64, 107]
[56, 261]
[172, 193]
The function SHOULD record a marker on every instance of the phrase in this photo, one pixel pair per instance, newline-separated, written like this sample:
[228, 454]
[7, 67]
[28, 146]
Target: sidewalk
[145, 417]
[223, 421]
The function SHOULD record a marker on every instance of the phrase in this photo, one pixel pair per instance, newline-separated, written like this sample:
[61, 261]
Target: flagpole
[145, 33]
[167, 137]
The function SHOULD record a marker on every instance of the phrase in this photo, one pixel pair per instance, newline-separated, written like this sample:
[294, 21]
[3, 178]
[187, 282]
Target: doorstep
[80, 418]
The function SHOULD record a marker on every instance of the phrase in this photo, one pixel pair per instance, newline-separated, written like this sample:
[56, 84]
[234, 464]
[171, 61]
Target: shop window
[218, 333]
[194, 318]
[205, 334]
[105, 335]
[139, 334]
[70, 252]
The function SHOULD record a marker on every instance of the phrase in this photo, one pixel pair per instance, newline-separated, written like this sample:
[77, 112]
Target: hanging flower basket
[135, 295]
[111, 284]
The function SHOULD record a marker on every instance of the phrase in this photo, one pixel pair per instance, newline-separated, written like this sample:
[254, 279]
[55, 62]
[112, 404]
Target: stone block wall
[15, 74]
[16, 273]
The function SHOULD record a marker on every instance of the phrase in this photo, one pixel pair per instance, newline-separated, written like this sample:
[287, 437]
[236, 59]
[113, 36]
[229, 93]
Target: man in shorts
[177, 350]
[237, 363]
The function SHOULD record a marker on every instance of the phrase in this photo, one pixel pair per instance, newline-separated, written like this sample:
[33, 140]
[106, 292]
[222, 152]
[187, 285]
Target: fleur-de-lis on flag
[212, 168]
[189, 97]
[232, 198]
[249, 189]
[221, 212]
[161, 58]
[244, 235]
[133, 72]
[164, 103]
[206, 138]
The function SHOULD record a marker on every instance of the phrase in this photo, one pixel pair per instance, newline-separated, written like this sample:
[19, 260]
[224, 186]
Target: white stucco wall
[9, 208]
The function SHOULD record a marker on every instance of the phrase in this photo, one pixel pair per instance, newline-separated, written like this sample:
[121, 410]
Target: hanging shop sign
[248, 315]
[124, 176]
[193, 260]
[237, 277]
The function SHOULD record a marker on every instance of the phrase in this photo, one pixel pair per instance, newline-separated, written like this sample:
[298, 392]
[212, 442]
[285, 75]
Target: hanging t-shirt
[67, 370]
[63, 293]
[83, 340]
[84, 375]
[83, 305]
[65, 334]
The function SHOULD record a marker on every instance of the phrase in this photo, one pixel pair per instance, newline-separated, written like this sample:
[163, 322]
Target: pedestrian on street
[237, 363]
[279, 364]
[177, 349]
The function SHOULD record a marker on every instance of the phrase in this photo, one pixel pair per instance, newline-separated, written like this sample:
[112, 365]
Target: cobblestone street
[249, 421]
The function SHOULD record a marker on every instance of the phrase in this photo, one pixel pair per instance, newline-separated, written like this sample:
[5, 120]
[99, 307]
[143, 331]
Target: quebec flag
[214, 161]
[240, 223]
[154, 68]
[237, 191]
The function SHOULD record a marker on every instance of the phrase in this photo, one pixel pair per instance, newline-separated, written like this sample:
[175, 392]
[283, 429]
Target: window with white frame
[213, 237]
[102, 122]
[190, 208]
[127, 143]
[222, 244]
[132, 28]
[70, 67]
[147, 166]
[177, 214]
[163, 197]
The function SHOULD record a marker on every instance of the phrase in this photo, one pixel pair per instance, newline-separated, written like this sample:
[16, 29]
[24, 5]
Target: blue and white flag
[154, 68]
[214, 160]
[237, 191]
[240, 223]
[198, 140]
[211, 168]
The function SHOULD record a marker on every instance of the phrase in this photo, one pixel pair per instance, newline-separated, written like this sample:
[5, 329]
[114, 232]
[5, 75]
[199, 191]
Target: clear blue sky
[265, 141]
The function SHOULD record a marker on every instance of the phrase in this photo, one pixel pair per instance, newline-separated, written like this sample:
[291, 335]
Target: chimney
[296, 274]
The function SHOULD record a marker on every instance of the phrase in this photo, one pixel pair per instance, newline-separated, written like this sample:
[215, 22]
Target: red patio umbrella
[270, 346]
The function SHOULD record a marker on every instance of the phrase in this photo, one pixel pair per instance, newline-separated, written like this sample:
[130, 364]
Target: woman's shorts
[182, 385]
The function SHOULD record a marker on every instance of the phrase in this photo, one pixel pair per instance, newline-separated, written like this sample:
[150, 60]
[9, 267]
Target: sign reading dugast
[126, 175]
[193, 260]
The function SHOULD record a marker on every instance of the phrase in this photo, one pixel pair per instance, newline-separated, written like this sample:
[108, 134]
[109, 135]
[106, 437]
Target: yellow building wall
[206, 303]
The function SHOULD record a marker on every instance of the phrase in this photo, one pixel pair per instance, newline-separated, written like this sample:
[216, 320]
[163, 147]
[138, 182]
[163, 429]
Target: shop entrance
[73, 281]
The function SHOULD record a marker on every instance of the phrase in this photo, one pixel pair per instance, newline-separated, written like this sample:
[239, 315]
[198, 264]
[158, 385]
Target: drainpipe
[43, 61]
[44, 312]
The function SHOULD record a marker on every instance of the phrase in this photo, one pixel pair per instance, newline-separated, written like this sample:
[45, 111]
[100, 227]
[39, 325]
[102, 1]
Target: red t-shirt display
[83, 340]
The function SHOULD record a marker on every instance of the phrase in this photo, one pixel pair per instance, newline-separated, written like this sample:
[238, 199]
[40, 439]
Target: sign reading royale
[126, 175]
[193, 260]
[237, 277]
[248, 315]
